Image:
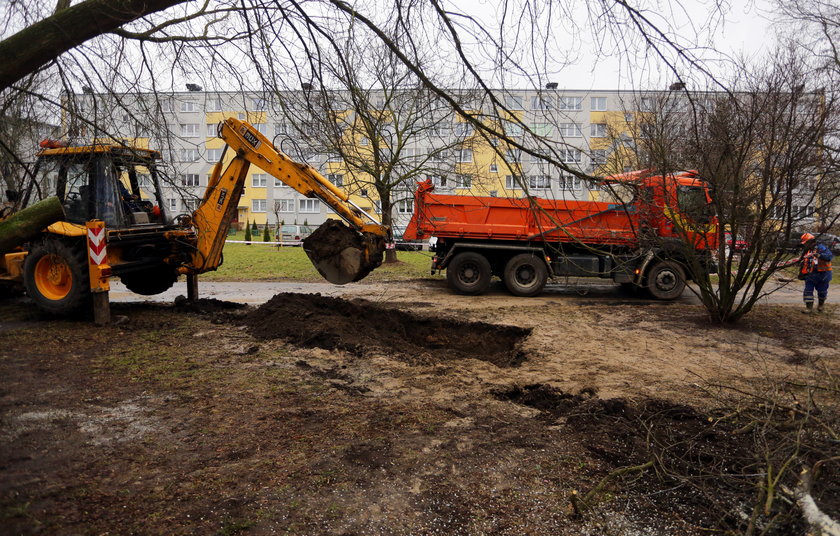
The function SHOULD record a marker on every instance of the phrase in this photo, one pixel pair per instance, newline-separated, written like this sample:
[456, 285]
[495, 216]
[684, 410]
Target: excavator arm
[340, 253]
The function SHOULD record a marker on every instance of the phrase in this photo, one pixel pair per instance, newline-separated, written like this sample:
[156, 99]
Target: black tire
[525, 275]
[55, 275]
[665, 280]
[150, 281]
[469, 273]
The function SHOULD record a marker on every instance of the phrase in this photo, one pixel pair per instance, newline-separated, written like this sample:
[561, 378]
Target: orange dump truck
[654, 233]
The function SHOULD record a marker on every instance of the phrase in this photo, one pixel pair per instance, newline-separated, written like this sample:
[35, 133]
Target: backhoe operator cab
[115, 184]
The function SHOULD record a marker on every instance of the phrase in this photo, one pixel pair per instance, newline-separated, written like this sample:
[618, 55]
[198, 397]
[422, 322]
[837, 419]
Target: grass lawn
[259, 262]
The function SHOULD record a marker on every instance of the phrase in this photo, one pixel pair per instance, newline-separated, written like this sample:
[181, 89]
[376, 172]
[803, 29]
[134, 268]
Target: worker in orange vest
[816, 271]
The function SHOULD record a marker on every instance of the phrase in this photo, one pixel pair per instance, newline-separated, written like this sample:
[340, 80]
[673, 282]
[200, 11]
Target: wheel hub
[525, 275]
[53, 277]
[666, 280]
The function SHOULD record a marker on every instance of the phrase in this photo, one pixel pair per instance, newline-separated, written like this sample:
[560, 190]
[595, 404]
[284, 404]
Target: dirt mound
[312, 320]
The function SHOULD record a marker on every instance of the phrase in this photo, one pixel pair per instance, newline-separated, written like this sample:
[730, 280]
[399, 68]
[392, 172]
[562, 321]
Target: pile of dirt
[704, 467]
[341, 254]
[312, 320]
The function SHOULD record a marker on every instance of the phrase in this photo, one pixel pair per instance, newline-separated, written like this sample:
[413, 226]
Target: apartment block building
[585, 129]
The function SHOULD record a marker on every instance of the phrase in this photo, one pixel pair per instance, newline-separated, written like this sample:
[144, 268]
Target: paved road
[260, 292]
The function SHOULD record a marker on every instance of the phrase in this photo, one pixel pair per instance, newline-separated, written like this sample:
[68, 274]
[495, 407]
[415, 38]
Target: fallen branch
[579, 504]
[816, 518]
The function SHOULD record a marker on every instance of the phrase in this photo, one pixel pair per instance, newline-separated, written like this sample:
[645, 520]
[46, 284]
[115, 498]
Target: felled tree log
[26, 224]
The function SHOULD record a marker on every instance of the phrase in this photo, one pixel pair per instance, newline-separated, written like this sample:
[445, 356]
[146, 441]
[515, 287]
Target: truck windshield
[692, 203]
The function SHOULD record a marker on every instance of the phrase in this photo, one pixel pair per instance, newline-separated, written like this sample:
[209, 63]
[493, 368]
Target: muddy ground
[415, 411]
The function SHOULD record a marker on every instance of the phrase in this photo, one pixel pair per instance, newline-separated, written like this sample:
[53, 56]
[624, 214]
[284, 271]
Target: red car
[740, 243]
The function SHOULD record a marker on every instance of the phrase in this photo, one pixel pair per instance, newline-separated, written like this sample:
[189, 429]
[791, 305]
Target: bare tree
[762, 149]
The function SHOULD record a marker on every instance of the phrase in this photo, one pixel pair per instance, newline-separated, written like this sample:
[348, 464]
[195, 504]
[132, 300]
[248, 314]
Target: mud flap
[341, 254]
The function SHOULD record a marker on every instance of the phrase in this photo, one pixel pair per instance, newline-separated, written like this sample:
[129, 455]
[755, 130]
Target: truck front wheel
[666, 280]
[469, 273]
[55, 276]
[525, 275]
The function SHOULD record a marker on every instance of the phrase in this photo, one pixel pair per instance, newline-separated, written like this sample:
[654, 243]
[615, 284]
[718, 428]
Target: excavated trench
[361, 327]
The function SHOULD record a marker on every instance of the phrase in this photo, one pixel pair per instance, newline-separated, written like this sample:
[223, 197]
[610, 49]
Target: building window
[377, 206]
[437, 157]
[405, 206]
[280, 184]
[258, 205]
[190, 155]
[599, 156]
[259, 104]
[438, 180]
[598, 130]
[646, 104]
[144, 181]
[545, 130]
[569, 182]
[363, 193]
[463, 181]
[165, 104]
[188, 106]
[514, 155]
[513, 130]
[465, 156]
[540, 103]
[259, 180]
[172, 204]
[364, 141]
[190, 179]
[280, 129]
[190, 205]
[570, 130]
[513, 182]
[284, 205]
[214, 104]
[212, 130]
[571, 103]
[262, 128]
[570, 155]
[539, 182]
[628, 118]
[598, 104]
[513, 102]
[337, 179]
[494, 168]
[189, 130]
[463, 129]
[334, 157]
[310, 205]
[214, 155]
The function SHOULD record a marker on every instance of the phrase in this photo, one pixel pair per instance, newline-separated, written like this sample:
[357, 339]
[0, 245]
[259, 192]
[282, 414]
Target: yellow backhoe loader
[118, 188]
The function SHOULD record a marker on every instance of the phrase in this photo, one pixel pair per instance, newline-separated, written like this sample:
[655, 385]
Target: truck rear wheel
[525, 275]
[469, 273]
[56, 277]
[665, 280]
[151, 281]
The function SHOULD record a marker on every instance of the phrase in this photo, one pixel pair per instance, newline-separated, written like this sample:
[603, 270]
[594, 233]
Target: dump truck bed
[543, 220]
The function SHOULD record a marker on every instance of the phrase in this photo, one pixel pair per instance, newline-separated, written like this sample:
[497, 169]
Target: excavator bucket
[342, 254]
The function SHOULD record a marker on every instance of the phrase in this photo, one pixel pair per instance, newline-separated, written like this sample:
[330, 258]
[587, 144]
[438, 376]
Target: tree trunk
[26, 224]
[387, 221]
[33, 47]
